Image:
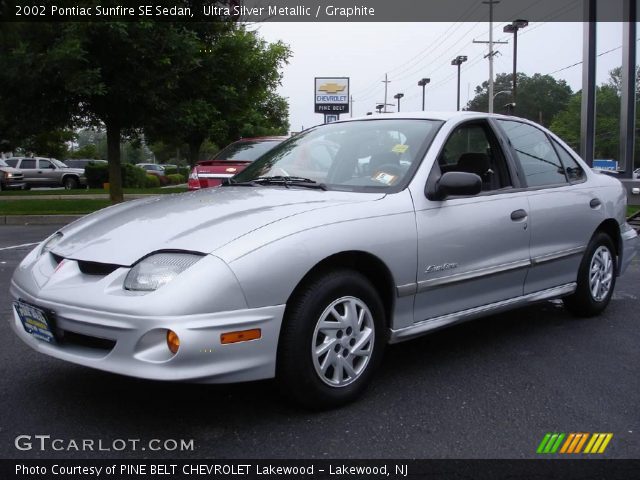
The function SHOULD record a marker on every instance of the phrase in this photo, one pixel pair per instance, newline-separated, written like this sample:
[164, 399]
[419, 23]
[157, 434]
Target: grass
[51, 207]
[92, 191]
[631, 209]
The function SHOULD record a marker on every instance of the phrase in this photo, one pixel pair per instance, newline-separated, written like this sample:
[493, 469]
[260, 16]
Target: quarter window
[537, 157]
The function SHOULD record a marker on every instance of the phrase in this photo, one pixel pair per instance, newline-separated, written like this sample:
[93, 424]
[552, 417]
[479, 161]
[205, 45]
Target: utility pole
[386, 84]
[491, 3]
[351, 106]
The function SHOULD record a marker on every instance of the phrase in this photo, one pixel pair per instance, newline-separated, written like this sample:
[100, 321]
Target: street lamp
[379, 107]
[398, 96]
[459, 60]
[513, 27]
[423, 83]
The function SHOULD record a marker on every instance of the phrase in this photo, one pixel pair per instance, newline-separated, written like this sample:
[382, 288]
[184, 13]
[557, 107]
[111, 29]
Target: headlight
[158, 270]
[51, 242]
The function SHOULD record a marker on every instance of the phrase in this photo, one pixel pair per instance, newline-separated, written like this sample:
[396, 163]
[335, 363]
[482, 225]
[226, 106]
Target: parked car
[152, 168]
[10, 178]
[82, 162]
[48, 172]
[417, 222]
[229, 161]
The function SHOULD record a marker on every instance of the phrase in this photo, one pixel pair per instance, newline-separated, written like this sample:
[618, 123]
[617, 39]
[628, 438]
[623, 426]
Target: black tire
[582, 302]
[70, 183]
[297, 366]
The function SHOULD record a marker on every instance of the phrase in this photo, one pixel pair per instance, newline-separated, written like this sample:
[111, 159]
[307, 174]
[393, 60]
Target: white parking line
[19, 246]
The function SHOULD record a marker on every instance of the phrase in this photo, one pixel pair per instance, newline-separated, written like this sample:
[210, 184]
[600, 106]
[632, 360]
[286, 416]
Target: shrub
[97, 174]
[176, 179]
[170, 171]
[152, 181]
[133, 177]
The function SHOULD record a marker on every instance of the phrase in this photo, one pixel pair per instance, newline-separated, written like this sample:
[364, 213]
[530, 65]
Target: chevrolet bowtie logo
[331, 88]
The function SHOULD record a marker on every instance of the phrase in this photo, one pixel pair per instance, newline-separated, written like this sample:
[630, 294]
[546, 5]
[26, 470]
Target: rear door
[30, 171]
[564, 209]
[472, 251]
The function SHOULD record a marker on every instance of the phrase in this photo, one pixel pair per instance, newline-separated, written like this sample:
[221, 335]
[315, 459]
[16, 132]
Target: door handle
[518, 215]
[595, 203]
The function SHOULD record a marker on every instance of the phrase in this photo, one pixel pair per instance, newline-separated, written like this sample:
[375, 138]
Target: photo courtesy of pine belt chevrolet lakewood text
[336, 242]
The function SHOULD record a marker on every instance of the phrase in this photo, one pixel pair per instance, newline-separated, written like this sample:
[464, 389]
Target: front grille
[96, 268]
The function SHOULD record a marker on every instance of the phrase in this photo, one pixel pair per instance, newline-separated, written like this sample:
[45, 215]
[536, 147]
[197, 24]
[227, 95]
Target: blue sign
[605, 164]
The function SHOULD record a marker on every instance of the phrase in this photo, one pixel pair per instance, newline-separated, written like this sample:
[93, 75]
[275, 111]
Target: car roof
[429, 115]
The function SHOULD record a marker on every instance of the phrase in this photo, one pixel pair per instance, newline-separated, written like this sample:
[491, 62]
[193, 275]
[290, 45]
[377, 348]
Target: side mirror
[456, 183]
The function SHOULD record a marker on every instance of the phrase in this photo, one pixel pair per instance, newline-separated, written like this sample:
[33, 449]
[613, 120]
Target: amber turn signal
[173, 341]
[242, 336]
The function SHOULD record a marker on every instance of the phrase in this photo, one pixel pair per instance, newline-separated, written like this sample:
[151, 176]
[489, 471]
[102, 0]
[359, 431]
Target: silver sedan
[340, 240]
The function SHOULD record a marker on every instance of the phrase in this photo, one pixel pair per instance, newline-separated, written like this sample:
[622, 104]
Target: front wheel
[332, 340]
[70, 183]
[596, 278]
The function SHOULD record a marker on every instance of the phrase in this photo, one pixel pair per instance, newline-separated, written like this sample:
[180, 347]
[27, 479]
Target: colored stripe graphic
[551, 443]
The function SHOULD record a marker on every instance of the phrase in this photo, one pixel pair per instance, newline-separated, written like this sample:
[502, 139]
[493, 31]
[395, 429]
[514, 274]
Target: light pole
[459, 60]
[513, 27]
[379, 107]
[398, 96]
[423, 83]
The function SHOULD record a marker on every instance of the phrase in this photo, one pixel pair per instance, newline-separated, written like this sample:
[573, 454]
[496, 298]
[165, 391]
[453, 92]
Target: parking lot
[486, 389]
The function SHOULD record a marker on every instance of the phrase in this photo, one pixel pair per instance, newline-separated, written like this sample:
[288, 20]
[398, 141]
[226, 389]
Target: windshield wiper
[286, 181]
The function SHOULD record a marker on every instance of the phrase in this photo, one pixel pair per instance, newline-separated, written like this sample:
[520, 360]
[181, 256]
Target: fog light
[242, 336]
[173, 341]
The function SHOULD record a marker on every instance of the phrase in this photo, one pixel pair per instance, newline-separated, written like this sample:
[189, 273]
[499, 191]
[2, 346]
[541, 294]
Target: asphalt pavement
[490, 388]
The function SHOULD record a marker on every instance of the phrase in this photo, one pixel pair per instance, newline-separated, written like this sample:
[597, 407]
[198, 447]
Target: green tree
[540, 97]
[230, 94]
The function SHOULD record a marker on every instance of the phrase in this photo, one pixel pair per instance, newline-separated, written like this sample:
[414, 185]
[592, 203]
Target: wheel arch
[369, 265]
[73, 175]
[611, 227]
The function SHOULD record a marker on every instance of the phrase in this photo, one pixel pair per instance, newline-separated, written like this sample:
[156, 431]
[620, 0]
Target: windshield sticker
[385, 178]
[400, 148]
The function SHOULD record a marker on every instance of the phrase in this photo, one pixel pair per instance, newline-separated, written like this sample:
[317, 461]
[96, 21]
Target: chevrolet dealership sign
[332, 95]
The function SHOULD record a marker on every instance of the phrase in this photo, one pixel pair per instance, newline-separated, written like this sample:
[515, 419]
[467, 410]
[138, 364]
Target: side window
[44, 164]
[537, 157]
[575, 173]
[472, 148]
[12, 162]
[28, 163]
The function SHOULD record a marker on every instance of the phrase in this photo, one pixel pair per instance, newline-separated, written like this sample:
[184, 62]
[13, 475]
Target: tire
[320, 378]
[70, 183]
[596, 278]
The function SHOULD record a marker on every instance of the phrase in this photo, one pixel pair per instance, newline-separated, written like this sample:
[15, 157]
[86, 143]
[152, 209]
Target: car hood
[79, 171]
[200, 221]
[9, 169]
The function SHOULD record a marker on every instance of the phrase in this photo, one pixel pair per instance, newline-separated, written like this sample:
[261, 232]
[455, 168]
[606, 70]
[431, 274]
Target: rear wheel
[596, 278]
[332, 340]
[70, 183]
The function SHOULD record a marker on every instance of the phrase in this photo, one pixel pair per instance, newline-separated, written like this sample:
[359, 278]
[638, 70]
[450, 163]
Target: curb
[37, 219]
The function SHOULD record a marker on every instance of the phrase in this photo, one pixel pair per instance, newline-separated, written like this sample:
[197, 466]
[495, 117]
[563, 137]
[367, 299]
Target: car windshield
[58, 163]
[367, 155]
[249, 150]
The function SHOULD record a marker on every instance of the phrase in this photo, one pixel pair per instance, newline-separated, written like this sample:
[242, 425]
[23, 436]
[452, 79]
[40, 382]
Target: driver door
[472, 251]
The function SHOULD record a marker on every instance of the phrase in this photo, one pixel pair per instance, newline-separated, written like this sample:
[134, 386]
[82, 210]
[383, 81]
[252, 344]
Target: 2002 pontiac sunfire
[340, 240]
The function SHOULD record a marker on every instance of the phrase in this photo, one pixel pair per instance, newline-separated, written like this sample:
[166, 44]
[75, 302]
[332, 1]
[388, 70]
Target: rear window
[245, 150]
[12, 162]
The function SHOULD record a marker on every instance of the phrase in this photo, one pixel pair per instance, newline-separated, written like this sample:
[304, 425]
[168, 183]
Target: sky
[407, 52]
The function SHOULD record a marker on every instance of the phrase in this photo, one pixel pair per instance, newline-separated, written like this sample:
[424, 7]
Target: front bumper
[10, 184]
[136, 345]
[630, 246]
